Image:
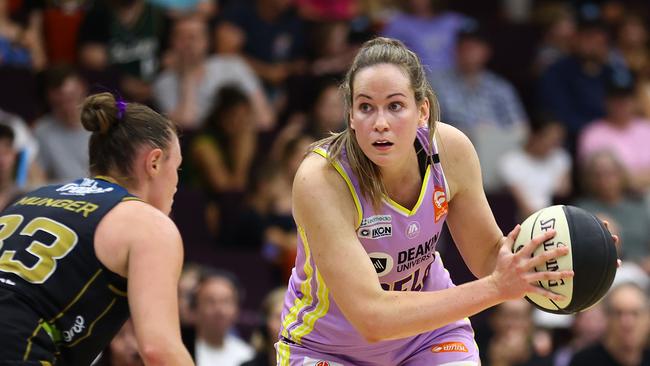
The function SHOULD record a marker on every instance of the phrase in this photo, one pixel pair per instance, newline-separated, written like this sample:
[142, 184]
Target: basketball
[592, 257]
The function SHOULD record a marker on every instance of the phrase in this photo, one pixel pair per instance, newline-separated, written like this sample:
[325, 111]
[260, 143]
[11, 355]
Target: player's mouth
[382, 144]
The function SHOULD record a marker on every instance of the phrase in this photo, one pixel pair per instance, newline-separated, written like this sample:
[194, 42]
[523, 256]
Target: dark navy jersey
[58, 303]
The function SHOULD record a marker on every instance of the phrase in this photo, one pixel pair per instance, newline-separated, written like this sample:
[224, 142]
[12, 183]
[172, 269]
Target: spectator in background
[558, 33]
[19, 46]
[573, 88]
[622, 132]
[327, 10]
[8, 188]
[539, 170]
[63, 142]
[273, 41]
[629, 55]
[125, 34]
[27, 171]
[625, 340]
[511, 341]
[266, 336]
[57, 22]
[123, 350]
[607, 196]
[188, 88]
[333, 52]
[216, 304]
[480, 103]
[588, 328]
[221, 156]
[429, 31]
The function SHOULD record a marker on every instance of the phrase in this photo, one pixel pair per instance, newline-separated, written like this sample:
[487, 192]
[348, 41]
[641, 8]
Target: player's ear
[153, 162]
[424, 111]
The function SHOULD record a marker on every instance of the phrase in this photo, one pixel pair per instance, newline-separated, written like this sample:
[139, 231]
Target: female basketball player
[77, 259]
[368, 287]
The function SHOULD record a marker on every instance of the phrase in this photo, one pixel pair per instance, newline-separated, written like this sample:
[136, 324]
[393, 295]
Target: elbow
[372, 328]
[158, 355]
[152, 355]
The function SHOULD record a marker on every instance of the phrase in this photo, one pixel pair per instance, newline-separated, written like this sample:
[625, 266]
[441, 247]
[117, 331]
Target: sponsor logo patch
[440, 204]
[449, 347]
[376, 231]
[313, 362]
[382, 262]
[87, 186]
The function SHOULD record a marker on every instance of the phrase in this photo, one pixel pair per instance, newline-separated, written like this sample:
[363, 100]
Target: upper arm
[470, 219]
[324, 209]
[139, 242]
[154, 265]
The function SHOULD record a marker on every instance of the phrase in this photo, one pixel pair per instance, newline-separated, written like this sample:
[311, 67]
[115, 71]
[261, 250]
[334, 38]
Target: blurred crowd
[555, 96]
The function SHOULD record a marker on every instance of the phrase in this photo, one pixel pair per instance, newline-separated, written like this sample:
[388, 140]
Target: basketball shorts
[455, 347]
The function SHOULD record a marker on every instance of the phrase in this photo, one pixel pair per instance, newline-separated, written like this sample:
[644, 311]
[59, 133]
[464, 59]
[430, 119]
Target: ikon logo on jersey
[449, 347]
[382, 262]
[375, 231]
[312, 362]
[440, 204]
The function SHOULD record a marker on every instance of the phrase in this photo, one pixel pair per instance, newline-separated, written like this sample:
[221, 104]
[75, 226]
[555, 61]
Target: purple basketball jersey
[400, 243]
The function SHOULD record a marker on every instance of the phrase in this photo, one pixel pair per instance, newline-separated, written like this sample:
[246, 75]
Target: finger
[619, 263]
[539, 260]
[512, 235]
[534, 277]
[546, 293]
[616, 239]
[529, 248]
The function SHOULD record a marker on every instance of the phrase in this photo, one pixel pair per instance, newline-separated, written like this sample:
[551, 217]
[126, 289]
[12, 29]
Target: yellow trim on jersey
[322, 152]
[117, 291]
[423, 190]
[322, 295]
[92, 325]
[29, 340]
[305, 288]
[284, 354]
[309, 319]
[76, 298]
[106, 178]
[45, 363]
[131, 198]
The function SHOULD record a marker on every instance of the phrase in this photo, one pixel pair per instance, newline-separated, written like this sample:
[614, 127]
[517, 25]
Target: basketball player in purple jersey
[368, 287]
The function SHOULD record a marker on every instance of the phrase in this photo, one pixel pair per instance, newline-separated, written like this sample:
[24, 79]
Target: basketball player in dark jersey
[76, 260]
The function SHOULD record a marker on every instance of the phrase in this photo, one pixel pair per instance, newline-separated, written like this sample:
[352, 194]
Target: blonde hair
[373, 52]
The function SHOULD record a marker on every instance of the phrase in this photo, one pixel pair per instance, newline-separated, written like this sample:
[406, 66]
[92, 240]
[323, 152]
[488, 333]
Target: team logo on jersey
[382, 262]
[312, 362]
[449, 347]
[87, 186]
[412, 229]
[440, 204]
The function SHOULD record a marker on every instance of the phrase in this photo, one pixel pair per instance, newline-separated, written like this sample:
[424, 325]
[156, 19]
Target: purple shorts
[455, 347]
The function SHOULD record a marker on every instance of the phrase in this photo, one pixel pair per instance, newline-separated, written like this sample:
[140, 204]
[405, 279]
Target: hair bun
[99, 113]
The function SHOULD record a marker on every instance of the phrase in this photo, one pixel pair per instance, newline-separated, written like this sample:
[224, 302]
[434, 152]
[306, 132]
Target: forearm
[185, 113]
[397, 314]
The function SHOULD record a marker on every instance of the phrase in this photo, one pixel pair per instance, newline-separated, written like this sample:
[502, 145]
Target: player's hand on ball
[514, 274]
[617, 243]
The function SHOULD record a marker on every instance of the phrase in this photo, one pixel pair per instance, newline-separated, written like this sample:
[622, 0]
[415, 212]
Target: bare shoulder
[317, 184]
[132, 223]
[457, 156]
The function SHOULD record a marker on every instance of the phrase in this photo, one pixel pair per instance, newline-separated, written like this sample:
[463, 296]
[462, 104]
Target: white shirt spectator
[537, 179]
[233, 353]
[220, 70]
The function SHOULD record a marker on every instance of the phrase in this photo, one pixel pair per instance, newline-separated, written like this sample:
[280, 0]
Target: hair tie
[121, 109]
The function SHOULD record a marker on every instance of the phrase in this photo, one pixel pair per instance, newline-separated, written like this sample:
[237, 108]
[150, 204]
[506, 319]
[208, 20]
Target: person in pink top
[623, 133]
[368, 287]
